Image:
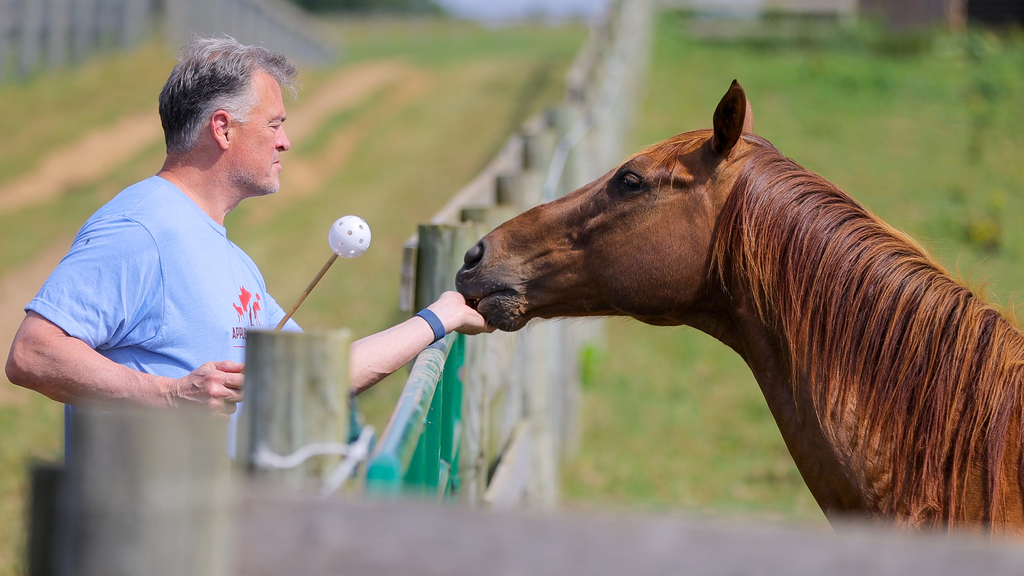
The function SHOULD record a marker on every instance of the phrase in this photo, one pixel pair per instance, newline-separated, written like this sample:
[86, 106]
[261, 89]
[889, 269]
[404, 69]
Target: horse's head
[635, 242]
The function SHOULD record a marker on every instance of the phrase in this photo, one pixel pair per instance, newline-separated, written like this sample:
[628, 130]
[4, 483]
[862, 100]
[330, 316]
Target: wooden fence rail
[153, 493]
[282, 534]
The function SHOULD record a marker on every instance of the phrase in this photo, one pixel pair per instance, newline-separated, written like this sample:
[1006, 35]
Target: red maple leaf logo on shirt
[245, 311]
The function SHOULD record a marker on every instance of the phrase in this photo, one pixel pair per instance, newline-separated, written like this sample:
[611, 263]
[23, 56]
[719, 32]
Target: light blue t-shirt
[153, 283]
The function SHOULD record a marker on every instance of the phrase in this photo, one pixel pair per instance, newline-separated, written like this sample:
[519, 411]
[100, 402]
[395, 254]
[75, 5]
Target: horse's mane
[929, 373]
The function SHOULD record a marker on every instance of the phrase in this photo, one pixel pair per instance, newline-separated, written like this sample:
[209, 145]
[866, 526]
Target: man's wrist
[434, 322]
[168, 391]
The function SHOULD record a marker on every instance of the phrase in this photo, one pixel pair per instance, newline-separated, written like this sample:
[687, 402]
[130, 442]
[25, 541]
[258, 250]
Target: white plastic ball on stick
[349, 236]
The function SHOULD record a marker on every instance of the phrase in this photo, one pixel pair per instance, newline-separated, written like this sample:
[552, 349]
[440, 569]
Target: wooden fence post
[490, 216]
[176, 17]
[59, 30]
[562, 119]
[83, 35]
[537, 149]
[440, 252]
[296, 393]
[31, 36]
[135, 22]
[46, 481]
[6, 28]
[441, 249]
[146, 492]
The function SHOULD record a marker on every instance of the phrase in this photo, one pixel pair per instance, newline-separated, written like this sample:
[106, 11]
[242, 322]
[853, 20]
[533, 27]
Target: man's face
[260, 140]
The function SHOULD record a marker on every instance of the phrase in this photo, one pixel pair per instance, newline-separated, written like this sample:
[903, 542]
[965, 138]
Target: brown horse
[897, 390]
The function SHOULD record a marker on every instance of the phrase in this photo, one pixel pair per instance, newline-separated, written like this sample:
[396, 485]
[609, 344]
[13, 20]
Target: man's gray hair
[215, 74]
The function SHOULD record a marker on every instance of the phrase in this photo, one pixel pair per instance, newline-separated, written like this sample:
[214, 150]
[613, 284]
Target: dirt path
[82, 162]
[98, 153]
[103, 150]
[16, 289]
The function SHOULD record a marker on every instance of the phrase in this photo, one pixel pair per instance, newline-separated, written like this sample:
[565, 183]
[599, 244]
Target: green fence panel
[451, 429]
[418, 450]
[396, 450]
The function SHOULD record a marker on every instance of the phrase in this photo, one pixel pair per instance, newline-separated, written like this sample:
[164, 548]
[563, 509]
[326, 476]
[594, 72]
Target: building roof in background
[840, 7]
[502, 10]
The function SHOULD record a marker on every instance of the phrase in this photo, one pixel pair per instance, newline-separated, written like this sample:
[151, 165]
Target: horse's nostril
[474, 255]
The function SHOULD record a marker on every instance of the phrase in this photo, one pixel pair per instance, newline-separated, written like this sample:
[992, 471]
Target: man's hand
[218, 385]
[453, 312]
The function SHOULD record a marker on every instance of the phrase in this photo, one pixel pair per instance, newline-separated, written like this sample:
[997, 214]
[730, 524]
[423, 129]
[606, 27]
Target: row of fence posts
[522, 391]
[40, 34]
[53, 33]
[276, 24]
[481, 406]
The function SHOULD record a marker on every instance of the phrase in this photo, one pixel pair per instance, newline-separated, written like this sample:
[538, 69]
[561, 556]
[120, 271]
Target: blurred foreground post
[146, 492]
[296, 395]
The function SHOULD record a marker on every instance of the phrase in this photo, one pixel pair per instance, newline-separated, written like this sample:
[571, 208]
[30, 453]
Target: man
[152, 303]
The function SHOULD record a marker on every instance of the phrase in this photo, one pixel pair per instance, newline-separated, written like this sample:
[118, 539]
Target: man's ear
[220, 129]
[730, 120]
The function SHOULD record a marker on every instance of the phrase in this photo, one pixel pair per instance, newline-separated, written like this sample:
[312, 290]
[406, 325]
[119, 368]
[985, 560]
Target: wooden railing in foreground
[152, 494]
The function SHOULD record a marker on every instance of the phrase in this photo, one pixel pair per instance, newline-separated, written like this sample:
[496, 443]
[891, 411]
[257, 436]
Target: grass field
[926, 131]
[411, 144]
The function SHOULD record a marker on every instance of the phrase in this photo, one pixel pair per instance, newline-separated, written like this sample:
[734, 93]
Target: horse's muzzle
[495, 298]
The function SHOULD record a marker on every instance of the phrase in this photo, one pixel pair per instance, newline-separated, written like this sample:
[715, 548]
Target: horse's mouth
[504, 308]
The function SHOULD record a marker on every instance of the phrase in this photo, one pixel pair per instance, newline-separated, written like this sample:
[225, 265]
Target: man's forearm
[46, 359]
[372, 358]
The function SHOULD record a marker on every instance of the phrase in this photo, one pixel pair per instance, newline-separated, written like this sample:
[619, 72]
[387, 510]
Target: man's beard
[255, 185]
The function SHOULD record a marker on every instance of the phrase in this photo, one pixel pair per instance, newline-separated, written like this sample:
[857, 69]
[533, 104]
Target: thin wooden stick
[308, 290]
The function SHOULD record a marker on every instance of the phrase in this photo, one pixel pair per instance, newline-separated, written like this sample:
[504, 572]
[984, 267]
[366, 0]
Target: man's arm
[374, 357]
[46, 359]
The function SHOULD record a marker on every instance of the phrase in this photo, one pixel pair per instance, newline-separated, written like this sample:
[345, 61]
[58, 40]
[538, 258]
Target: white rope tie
[267, 458]
[354, 453]
[358, 452]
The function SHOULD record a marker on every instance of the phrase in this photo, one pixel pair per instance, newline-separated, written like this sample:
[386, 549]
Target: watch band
[434, 322]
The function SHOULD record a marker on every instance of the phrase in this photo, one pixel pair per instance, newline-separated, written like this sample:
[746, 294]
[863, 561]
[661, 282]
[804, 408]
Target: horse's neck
[834, 480]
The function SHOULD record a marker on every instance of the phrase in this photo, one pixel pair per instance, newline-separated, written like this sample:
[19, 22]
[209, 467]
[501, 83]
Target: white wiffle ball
[349, 236]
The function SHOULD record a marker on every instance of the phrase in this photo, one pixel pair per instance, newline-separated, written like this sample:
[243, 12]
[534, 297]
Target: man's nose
[283, 144]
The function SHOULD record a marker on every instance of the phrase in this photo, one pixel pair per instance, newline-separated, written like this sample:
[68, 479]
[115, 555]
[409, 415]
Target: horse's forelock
[665, 156]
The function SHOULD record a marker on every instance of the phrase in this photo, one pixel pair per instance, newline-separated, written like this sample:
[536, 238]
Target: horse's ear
[748, 118]
[731, 119]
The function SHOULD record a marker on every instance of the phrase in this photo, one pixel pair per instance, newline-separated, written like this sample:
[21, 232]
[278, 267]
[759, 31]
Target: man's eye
[631, 181]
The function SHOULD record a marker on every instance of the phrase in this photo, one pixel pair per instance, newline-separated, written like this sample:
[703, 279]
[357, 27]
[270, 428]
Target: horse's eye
[631, 181]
